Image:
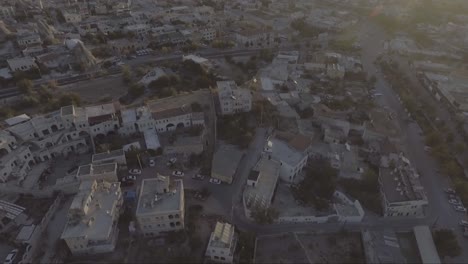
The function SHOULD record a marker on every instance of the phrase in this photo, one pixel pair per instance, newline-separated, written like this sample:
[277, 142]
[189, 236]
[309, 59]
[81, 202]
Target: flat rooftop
[97, 223]
[226, 159]
[108, 155]
[400, 185]
[282, 151]
[92, 169]
[268, 173]
[100, 110]
[17, 119]
[151, 201]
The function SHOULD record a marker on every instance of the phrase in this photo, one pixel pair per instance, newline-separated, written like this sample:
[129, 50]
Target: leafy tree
[319, 184]
[446, 243]
[136, 89]
[126, 75]
[196, 107]
[25, 86]
[264, 215]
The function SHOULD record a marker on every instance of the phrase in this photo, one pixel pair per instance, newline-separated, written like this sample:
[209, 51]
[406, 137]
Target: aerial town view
[233, 131]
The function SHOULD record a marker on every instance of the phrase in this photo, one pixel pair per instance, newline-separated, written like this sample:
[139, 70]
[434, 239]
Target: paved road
[439, 211]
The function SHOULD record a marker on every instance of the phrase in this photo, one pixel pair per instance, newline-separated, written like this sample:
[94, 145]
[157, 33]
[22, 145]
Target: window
[216, 257]
[223, 258]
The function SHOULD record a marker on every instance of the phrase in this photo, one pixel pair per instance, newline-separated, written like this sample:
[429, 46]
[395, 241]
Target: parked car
[450, 191]
[129, 178]
[215, 181]
[135, 171]
[459, 208]
[198, 177]
[11, 256]
[464, 223]
[171, 161]
[152, 163]
[454, 201]
[178, 173]
[453, 196]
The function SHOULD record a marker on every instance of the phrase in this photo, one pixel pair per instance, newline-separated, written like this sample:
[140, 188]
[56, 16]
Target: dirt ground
[98, 90]
[310, 248]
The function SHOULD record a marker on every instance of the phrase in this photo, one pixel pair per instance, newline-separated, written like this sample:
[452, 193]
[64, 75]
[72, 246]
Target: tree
[136, 89]
[446, 243]
[25, 86]
[433, 139]
[196, 107]
[319, 184]
[126, 75]
[263, 215]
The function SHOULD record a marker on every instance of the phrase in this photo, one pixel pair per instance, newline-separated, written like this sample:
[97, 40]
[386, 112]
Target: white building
[98, 172]
[168, 119]
[29, 39]
[138, 29]
[48, 135]
[115, 156]
[254, 38]
[208, 34]
[72, 17]
[335, 71]
[7, 12]
[292, 161]
[21, 64]
[161, 206]
[233, 99]
[261, 182]
[94, 120]
[401, 191]
[92, 218]
[222, 244]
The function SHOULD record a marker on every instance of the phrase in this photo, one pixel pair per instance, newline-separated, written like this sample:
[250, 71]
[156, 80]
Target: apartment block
[401, 190]
[233, 99]
[161, 206]
[92, 218]
[222, 244]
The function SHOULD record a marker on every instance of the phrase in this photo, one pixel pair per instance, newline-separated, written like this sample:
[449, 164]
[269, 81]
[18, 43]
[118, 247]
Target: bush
[365, 190]
[319, 184]
[136, 89]
[25, 86]
[446, 243]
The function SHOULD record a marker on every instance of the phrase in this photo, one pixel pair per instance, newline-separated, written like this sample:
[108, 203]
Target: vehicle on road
[215, 181]
[128, 180]
[198, 177]
[459, 208]
[178, 173]
[454, 202]
[135, 171]
[450, 191]
[152, 163]
[464, 223]
[11, 256]
[171, 161]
